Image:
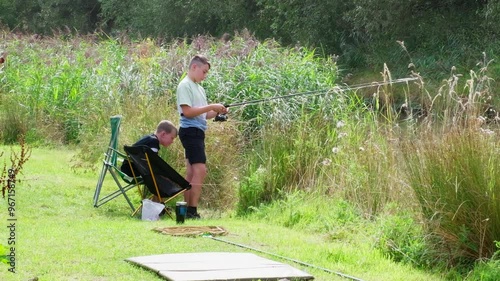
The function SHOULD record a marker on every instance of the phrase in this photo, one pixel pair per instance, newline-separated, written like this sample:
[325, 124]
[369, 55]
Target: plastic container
[180, 211]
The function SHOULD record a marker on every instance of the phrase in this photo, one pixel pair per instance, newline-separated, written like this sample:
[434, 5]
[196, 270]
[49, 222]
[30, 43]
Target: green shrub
[487, 270]
[402, 238]
[251, 192]
[13, 121]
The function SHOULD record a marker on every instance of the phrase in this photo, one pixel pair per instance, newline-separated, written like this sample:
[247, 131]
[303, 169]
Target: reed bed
[422, 166]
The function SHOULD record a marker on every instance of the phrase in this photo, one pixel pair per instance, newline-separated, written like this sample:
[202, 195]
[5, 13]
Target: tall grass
[421, 164]
[343, 148]
[456, 179]
[438, 162]
[453, 166]
[293, 150]
[63, 91]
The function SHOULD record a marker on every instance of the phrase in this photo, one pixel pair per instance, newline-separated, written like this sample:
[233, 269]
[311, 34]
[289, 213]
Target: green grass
[340, 155]
[61, 236]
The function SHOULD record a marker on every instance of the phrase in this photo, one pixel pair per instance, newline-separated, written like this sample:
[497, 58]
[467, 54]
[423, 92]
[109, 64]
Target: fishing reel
[220, 118]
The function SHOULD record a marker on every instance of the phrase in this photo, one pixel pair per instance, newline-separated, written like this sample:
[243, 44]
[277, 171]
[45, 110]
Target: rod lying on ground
[285, 258]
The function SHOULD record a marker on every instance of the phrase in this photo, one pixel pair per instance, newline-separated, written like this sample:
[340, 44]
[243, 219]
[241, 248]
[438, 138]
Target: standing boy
[194, 110]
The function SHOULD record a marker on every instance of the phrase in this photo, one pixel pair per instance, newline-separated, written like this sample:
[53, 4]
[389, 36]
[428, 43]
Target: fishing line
[285, 258]
[334, 89]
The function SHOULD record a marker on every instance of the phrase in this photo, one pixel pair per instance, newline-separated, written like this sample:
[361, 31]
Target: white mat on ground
[218, 266]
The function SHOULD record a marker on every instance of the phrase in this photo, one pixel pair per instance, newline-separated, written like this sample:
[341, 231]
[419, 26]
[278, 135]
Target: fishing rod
[285, 258]
[337, 89]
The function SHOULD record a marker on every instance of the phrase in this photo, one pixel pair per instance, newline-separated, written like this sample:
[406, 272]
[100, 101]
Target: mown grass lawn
[59, 235]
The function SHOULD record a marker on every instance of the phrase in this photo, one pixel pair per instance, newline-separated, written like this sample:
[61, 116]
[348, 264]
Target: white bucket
[151, 210]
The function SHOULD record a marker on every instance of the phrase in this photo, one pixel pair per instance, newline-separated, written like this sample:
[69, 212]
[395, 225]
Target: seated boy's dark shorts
[193, 141]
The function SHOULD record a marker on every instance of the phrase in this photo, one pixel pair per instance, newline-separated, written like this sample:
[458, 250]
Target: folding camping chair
[159, 177]
[123, 181]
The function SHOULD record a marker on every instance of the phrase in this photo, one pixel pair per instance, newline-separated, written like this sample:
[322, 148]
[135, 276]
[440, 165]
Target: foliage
[362, 33]
[289, 157]
[487, 270]
[49, 16]
[10, 173]
[251, 192]
[308, 23]
[402, 238]
[452, 166]
[434, 154]
[386, 18]
[248, 71]
[492, 14]
[456, 183]
[62, 208]
[52, 87]
[223, 147]
[154, 18]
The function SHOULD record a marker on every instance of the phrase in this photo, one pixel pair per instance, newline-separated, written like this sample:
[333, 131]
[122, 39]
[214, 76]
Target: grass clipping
[191, 231]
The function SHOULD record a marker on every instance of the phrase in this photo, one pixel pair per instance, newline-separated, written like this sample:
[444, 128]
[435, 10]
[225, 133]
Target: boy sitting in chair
[165, 134]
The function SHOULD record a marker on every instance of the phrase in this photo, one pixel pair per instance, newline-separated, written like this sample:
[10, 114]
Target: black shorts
[193, 141]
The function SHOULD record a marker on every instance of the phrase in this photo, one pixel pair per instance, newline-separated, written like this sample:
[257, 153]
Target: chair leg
[167, 211]
[121, 189]
[136, 210]
[99, 185]
[142, 193]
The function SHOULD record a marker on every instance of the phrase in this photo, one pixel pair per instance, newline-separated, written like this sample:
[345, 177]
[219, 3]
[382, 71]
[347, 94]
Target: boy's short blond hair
[166, 126]
[199, 60]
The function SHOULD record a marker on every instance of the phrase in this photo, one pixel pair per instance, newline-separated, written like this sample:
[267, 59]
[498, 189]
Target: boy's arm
[211, 114]
[212, 110]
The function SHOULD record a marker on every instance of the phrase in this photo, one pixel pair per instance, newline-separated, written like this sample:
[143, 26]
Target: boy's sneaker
[194, 216]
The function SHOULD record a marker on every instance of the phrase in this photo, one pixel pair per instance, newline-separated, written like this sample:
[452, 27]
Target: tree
[49, 15]
[308, 22]
[171, 18]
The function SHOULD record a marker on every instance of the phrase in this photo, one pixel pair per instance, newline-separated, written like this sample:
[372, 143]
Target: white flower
[341, 135]
[326, 162]
[335, 150]
[340, 124]
[487, 131]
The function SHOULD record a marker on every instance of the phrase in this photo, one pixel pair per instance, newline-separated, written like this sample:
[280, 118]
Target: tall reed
[453, 166]
[64, 91]
[456, 178]
[336, 145]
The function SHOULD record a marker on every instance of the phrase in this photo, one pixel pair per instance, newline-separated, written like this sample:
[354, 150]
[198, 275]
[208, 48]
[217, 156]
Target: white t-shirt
[191, 94]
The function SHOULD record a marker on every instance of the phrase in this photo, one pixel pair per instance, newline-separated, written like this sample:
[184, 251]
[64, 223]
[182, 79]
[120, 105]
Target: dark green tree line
[45, 17]
[360, 31]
